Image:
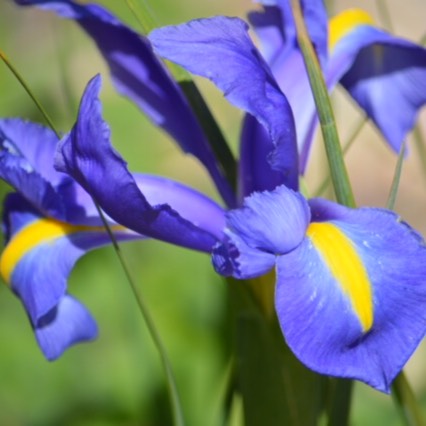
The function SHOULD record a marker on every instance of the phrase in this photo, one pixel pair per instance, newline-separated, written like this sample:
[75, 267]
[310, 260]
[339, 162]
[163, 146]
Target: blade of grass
[143, 309]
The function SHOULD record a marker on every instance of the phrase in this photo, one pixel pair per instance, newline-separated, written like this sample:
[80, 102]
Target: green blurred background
[118, 380]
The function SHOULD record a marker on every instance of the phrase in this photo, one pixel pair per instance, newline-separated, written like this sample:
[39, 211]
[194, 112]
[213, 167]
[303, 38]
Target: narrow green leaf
[143, 13]
[226, 160]
[339, 175]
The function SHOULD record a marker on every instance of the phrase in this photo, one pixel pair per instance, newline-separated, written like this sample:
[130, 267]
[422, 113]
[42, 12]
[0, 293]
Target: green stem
[339, 175]
[326, 182]
[171, 382]
[405, 400]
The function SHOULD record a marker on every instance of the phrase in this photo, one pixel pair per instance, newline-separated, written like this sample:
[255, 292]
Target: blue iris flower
[351, 283]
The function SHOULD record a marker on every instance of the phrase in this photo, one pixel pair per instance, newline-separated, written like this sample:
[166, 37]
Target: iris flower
[342, 274]
[50, 222]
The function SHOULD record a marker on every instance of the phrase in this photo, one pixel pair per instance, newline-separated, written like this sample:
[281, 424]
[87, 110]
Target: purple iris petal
[139, 75]
[65, 325]
[386, 75]
[36, 263]
[33, 142]
[273, 221]
[318, 322]
[233, 257]
[195, 207]
[40, 273]
[18, 172]
[87, 155]
[203, 46]
[269, 224]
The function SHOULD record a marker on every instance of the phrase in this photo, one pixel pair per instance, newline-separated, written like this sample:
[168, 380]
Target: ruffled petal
[351, 298]
[386, 75]
[269, 223]
[274, 221]
[64, 326]
[233, 257]
[138, 74]
[87, 155]
[203, 46]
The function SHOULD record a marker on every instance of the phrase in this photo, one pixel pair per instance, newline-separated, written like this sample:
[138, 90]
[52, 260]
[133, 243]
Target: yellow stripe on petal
[38, 232]
[345, 22]
[347, 268]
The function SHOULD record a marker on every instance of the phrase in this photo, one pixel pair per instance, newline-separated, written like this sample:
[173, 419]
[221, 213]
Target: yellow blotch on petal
[347, 268]
[345, 22]
[38, 232]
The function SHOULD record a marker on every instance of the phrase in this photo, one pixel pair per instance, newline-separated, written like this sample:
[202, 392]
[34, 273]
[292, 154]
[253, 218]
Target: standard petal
[68, 323]
[87, 155]
[274, 221]
[138, 74]
[288, 66]
[386, 75]
[17, 171]
[33, 142]
[41, 252]
[203, 46]
[351, 298]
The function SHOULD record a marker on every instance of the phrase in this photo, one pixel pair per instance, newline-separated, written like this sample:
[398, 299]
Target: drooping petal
[138, 74]
[351, 298]
[41, 252]
[65, 325]
[385, 74]
[36, 262]
[203, 46]
[195, 207]
[87, 155]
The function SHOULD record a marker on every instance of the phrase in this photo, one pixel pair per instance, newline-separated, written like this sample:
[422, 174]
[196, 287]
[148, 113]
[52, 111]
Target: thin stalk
[22, 82]
[326, 182]
[420, 147]
[396, 179]
[406, 402]
[338, 172]
[143, 309]
[171, 382]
